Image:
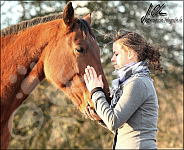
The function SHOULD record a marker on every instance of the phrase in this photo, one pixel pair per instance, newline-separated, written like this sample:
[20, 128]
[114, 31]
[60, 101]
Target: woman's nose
[112, 59]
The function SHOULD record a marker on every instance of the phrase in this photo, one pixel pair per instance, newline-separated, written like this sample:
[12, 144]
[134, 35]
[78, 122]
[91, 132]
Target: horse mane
[14, 29]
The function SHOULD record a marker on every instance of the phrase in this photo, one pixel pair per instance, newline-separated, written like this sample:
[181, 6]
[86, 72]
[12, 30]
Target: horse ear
[88, 18]
[68, 15]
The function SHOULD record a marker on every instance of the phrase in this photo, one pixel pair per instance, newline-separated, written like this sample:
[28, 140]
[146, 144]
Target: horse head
[76, 48]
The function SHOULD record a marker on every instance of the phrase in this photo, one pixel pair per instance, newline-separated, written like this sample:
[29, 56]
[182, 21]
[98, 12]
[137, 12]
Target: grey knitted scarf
[123, 75]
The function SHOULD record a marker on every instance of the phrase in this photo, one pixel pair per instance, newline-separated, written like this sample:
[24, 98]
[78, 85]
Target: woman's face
[120, 56]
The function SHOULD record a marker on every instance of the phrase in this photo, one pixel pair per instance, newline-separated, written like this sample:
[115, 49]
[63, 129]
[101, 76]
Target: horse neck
[31, 42]
[27, 47]
[20, 53]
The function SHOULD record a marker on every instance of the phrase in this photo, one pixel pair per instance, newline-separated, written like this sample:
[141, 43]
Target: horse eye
[80, 50]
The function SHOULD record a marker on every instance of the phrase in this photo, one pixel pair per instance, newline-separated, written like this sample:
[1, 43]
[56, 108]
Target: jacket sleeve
[134, 94]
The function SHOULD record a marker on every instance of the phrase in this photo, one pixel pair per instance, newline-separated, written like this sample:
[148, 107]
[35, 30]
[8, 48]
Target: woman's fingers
[100, 77]
[86, 78]
[91, 79]
[87, 113]
[94, 72]
[90, 72]
[90, 113]
[87, 73]
[93, 114]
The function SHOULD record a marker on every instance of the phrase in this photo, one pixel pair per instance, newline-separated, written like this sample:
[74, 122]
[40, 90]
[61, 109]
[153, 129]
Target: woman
[133, 113]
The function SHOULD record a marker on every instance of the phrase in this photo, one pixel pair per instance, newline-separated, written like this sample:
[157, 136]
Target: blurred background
[60, 123]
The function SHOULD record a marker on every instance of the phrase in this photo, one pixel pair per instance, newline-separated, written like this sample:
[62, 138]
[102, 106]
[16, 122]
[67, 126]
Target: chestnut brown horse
[57, 48]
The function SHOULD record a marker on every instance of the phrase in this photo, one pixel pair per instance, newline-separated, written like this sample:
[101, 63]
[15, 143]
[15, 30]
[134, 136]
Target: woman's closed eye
[116, 54]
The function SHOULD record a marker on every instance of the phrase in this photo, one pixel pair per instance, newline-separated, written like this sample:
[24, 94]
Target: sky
[17, 9]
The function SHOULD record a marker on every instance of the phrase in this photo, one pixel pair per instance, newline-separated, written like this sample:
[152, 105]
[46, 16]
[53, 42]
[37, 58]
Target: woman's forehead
[117, 46]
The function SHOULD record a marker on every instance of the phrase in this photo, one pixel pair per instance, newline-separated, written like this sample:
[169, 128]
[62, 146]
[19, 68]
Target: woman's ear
[132, 55]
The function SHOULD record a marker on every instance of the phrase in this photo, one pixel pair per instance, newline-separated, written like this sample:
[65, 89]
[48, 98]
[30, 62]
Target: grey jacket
[135, 115]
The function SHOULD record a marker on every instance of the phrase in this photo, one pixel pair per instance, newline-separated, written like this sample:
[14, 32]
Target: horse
[56, 47]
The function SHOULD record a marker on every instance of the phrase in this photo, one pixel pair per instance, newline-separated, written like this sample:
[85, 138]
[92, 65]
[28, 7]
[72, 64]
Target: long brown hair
[143, 48]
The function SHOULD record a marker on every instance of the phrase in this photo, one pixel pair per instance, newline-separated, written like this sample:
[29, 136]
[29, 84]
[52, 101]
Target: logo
[156, 15]
[31, 116]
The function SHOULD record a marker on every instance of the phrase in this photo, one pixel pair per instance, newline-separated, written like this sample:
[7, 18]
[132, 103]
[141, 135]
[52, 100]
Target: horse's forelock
[85, 28]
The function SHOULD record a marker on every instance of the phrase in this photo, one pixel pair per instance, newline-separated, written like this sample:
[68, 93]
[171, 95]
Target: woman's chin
[116, 67]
